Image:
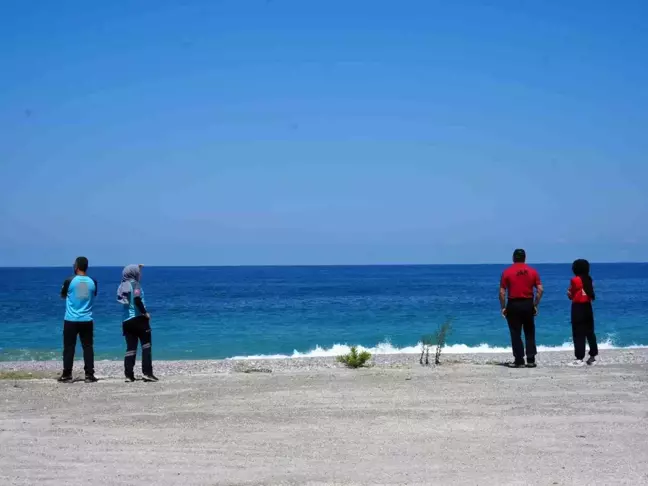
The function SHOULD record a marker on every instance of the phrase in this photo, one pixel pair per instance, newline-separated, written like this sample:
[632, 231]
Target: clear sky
[321, 132]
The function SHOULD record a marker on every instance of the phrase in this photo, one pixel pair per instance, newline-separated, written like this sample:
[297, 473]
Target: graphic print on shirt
[81, 291]
[577, 291]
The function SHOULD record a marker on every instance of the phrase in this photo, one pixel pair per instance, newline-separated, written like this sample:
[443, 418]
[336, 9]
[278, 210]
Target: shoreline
[114, 368]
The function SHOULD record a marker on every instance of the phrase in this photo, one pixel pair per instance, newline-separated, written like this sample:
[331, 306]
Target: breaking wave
[388, 348]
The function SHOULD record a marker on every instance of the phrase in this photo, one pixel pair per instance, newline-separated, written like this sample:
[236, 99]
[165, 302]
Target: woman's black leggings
[582, 318]
[137, 330]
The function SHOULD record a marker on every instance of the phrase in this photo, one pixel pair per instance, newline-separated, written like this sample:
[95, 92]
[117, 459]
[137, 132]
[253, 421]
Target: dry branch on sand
[437, 339]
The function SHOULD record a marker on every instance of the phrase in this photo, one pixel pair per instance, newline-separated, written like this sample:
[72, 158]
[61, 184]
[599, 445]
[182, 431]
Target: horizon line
[325, 265]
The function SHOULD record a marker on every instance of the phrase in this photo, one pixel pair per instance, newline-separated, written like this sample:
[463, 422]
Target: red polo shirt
[519, 280]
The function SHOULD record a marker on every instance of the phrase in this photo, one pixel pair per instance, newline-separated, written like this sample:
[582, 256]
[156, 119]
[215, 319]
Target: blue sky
[294, 132]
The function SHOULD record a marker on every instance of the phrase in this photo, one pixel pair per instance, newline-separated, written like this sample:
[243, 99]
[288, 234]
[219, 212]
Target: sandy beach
[469, 421]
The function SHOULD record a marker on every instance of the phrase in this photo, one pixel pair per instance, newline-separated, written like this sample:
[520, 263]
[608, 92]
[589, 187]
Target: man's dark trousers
[520, 316]
[85, 331]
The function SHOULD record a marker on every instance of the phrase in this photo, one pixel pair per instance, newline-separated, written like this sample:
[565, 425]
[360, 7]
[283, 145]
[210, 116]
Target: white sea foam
[387, 348]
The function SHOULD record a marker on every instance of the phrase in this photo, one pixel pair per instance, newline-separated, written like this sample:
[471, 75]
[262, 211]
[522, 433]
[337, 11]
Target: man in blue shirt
[79, 292]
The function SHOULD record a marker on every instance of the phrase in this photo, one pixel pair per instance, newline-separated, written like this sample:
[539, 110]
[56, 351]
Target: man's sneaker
[577, 363]
[65, 378]
[130, 378]
[516, 365]
[150, 378]
[532, 364]
[91, 378]
[592, 360]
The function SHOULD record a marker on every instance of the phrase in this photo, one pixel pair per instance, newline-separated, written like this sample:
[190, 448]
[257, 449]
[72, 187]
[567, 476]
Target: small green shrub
[437, 339]
[355, 359]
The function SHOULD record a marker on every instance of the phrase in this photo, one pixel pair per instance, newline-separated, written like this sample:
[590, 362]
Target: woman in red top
[581, 293]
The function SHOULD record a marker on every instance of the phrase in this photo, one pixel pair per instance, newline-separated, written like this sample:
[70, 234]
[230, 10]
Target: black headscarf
[581, 268]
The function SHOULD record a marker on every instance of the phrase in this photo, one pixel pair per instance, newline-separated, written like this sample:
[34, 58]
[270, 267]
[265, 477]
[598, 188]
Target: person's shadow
[79, 379]
[503, 364]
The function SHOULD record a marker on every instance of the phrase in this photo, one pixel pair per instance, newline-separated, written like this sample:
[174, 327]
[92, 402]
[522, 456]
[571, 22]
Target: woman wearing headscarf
[136, 323]
[581, 293]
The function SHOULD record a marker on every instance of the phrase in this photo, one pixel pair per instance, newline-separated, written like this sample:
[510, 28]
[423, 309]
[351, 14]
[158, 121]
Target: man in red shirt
[519, 281]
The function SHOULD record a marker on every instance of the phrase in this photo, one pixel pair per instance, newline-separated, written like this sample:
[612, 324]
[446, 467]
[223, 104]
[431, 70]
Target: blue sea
[226, 312]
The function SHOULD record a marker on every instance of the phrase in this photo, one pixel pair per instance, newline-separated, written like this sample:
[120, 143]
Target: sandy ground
[455, 424]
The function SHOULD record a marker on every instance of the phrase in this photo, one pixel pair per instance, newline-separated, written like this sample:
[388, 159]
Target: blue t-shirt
[79, 293]
[131, 309]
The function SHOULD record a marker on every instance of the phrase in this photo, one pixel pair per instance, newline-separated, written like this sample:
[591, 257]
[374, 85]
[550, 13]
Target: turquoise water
[215, 312]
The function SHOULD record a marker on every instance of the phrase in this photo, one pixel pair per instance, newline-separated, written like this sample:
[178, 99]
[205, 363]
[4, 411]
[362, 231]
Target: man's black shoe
[65, 378]
[515, 365]
[91, 379]
[532, 365]
[150, 378]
